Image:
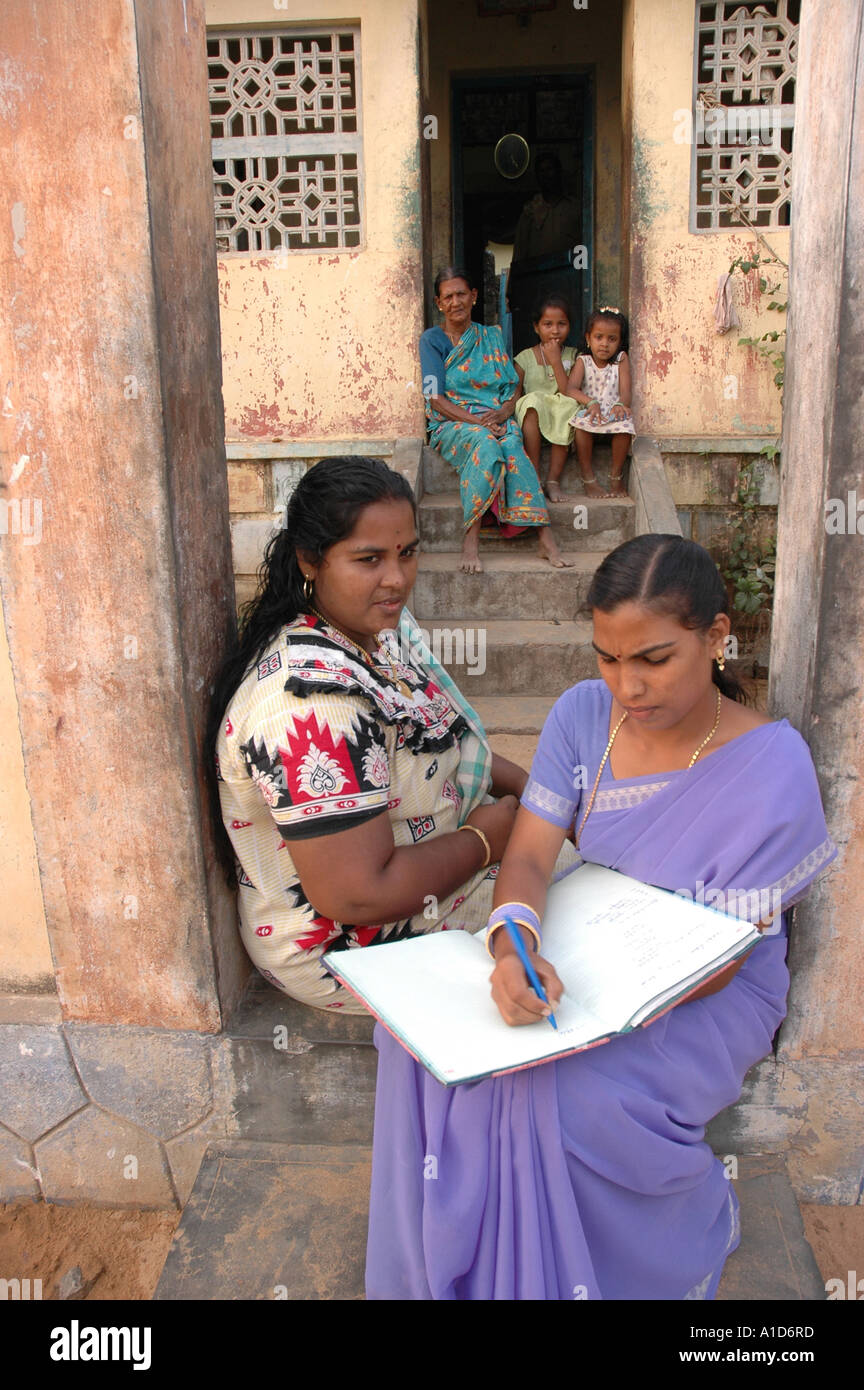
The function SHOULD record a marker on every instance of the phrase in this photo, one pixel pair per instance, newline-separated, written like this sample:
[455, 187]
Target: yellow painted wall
[25, 956]
[681, 365]
[325, 346]
[559, 40]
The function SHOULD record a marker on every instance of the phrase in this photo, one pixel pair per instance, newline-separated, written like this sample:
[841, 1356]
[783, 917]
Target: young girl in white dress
[600, 382]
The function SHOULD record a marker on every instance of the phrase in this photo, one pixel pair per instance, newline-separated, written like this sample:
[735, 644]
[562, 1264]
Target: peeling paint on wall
[319, 346]
[688, 379]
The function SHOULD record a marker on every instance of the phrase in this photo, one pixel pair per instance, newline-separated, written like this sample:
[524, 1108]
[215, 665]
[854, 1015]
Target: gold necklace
[609, 749]
[376, 666]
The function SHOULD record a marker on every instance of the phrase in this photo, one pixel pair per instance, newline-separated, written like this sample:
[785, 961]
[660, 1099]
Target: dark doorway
[542, 219]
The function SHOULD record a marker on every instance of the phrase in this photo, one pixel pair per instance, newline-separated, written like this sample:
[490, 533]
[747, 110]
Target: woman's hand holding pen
[516, 1000]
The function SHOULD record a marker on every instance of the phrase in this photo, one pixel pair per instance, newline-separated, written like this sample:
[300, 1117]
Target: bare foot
[553, 491]
[548, 547]
[470, 562]
[616, 488]
[592, 488]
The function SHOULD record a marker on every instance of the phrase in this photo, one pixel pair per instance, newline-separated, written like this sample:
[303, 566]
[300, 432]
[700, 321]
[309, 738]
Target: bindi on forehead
[372, 549]
[643, 651]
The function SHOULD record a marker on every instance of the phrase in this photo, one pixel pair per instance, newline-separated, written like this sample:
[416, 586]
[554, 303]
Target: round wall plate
[512, 156]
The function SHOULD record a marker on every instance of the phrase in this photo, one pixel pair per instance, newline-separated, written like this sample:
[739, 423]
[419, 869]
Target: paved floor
[274, 1221]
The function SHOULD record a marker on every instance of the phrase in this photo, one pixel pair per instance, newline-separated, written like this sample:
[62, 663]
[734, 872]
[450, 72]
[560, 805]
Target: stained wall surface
[688, 379]
[24, 949]
[318, 346]
[111, 422]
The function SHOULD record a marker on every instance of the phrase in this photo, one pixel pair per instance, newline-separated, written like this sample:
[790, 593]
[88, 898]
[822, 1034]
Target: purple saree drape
[589, 1177]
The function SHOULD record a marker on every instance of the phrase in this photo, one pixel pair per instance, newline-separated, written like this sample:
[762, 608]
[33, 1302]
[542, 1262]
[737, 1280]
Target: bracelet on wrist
[497, 926]
[521, 913]
[525, 910]
[477, 831]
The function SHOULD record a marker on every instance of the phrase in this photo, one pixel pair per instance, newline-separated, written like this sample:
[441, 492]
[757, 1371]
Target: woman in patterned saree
[589, 1176]
[471, 388]
[348, 768]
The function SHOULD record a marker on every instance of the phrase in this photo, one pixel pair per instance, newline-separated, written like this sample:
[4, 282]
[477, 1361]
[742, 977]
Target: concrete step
[289, 1222]
[440, 476]
[516, 748]
[774, 1259]
[586, 523]
[514, 715]
[301, 1075]
[511, 586]
[272, 1221]
[501, 658]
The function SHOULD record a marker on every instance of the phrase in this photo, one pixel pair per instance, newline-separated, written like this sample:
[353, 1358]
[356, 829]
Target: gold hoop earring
[307, 588]
[721, 661]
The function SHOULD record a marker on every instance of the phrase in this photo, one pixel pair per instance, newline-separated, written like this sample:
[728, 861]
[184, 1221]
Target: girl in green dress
[544, 410]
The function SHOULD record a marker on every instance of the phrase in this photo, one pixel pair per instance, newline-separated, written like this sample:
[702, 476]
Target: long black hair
[670, 575]
[324, 508]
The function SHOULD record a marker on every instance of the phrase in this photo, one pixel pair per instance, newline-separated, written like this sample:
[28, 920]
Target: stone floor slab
[18, 1180]
[171, 1072]
[272, 1222]
[185, 1154]
[96, 1157]
[38, 1085]
[774, 1259]
[278, 1221]
[324, 1094]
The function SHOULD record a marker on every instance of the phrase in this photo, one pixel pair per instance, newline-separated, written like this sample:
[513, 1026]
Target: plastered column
[112, 437]
[817, 650]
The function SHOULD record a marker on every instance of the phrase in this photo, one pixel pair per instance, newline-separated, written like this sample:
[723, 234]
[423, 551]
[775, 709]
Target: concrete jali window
[287, 142]
[743, 113]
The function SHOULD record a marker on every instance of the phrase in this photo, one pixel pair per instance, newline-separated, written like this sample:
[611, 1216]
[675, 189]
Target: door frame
[576, 77]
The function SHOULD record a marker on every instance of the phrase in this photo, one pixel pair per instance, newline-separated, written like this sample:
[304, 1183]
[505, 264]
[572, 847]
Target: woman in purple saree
[589, 1177]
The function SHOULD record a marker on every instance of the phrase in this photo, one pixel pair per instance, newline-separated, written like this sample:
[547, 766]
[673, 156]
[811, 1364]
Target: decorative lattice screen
[744, 113]
[287, 148]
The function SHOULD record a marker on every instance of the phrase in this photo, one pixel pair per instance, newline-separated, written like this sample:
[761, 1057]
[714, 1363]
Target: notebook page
[617, 943]
[433, 992]
[656, 1005]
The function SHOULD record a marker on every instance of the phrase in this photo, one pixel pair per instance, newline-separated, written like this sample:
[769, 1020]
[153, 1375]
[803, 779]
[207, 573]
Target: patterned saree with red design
[315, 741]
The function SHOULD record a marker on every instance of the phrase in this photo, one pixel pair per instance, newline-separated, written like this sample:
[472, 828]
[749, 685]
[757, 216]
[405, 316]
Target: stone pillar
[817, 649]
[116, 566]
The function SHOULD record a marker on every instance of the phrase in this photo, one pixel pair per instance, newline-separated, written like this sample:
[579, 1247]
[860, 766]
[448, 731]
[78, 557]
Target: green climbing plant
[750, 562]
[771, 345]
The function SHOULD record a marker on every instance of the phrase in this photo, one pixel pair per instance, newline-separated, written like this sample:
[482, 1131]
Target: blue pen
[516, 937]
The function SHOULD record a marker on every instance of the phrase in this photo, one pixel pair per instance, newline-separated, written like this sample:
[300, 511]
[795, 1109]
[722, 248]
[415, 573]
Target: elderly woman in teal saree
[471, 388]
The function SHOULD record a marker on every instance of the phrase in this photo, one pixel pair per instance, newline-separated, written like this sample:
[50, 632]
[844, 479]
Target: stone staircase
[522, 614]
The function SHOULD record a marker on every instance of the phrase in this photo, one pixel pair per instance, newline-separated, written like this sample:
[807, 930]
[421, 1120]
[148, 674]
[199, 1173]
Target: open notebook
[625, 952]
